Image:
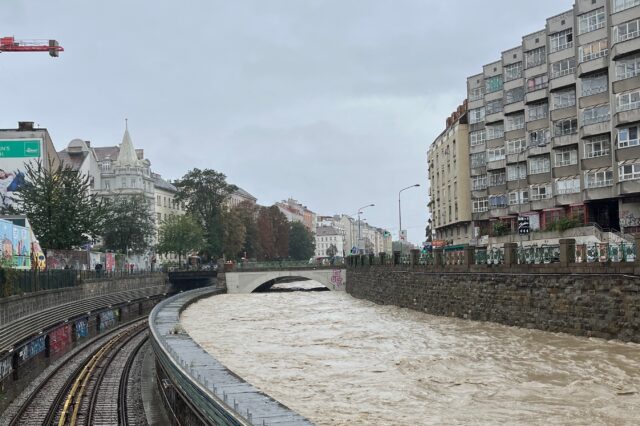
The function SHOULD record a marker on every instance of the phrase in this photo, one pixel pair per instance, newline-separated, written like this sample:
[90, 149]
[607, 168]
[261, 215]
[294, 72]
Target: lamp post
[359, 222]
[400, 213]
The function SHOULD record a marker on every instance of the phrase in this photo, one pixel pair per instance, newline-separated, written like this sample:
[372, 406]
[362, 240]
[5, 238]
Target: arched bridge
[248, 277]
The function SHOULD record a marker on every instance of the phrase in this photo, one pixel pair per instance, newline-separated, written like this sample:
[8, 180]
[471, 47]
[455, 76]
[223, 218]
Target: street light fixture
[359, 222]
[400, 213]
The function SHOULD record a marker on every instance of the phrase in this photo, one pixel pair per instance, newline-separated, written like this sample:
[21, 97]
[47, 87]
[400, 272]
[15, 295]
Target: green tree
[204, 193]
[301, 242]
[273, 233]
[130, 224]
[332, 250]
[180, 235]
[233, 233]
[248, 214]
[57, 201]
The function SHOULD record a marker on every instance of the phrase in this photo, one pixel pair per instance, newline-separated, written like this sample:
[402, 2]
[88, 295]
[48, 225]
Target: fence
[284, 264]
[15, 281]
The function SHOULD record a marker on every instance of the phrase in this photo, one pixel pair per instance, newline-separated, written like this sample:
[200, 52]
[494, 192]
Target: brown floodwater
[343, 361]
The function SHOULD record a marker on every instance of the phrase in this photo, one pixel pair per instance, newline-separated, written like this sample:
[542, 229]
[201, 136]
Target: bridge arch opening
[289, 284]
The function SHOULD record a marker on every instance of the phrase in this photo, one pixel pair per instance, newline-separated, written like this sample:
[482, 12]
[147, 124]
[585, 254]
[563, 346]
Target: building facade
[296, 212]
[554, 123]
[450, 183]
[328, 237]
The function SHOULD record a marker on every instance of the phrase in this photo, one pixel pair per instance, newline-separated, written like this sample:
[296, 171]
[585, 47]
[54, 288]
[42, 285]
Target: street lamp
[359, 222]
[400, 213]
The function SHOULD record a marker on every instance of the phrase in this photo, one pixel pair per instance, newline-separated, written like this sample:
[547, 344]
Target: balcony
[628, 187]
[499, 212]
[498, 164]
[629, 81]
[499, 188]
[565, 140]
[478, 170]
[536, 95]
[599, 193]
[513, 107]
[539, 150]
[627, 153]
[626, 117]
[563, 79]
[596, 128]
[539, 178]
[568, 199]
[543, 204]
[478, 193]
[492, 118]
[625, 47]
[564, 171]
[596, 162]
[593, 65]
[474, 149]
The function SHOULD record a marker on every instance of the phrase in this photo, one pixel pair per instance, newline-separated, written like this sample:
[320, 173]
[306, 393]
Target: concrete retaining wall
[606, 306]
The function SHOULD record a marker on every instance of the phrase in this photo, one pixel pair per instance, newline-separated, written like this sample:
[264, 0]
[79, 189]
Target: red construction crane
[10, 44]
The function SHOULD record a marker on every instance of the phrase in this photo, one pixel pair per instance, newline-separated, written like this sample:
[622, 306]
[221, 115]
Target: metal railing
[286, 264]
[606, 252]
[537, 255]
[489, 256]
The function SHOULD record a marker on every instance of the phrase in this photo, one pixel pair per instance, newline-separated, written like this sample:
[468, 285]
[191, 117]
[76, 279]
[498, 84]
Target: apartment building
[450, 183]
[554, 123]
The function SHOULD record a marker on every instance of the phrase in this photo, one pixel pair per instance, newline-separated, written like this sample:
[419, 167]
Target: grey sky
[331, 102]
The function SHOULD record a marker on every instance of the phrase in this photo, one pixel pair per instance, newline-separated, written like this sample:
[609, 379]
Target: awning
[629, 162]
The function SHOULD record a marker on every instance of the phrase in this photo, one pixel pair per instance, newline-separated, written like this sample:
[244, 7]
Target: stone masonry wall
[598, 305]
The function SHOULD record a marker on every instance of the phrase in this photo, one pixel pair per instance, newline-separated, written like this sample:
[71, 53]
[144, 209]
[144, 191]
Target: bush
[500, 228]
[565, 223]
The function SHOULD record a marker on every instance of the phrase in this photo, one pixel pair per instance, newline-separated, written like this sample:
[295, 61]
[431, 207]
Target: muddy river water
[343, 361]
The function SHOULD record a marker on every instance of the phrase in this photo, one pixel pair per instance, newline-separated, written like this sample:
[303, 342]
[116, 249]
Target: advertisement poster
[60, 339]
[110, 261]
[14, 153]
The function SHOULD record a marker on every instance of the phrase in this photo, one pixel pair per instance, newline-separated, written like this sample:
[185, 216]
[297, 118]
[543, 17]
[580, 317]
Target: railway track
[91, 387]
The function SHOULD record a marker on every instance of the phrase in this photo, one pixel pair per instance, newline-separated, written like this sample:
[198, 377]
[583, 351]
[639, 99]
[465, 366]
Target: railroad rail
[91, 386]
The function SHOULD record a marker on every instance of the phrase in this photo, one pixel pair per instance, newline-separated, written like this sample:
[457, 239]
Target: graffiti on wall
[60, 339]
[32, 349]
[107, 319]
[5, 367]
[82, 328]
[630, 217]
[61, 259]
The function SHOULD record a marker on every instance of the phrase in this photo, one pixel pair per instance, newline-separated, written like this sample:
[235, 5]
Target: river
[343, 361]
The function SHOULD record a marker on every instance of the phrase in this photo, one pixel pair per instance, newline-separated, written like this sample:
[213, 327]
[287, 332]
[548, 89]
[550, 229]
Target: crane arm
[10, 44]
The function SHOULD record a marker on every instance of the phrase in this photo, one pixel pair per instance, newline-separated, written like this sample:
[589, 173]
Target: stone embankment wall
[598, 305]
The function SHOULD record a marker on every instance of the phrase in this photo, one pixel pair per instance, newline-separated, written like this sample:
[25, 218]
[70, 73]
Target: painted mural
[15, 244]
[60, 339]
[107, 320]
[630, 214]
[5, 367]
[82, 328]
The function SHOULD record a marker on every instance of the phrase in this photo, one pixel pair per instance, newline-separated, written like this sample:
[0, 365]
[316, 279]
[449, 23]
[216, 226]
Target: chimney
[25, 126]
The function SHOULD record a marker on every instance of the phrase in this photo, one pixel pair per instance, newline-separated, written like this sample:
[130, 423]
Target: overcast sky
[333, 103]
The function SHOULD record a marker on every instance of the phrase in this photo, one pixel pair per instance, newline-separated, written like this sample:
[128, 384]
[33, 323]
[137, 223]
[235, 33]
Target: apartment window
[628, 136]
[476, 94]
[594, 50]
[628, 100]
[494, 107]
[495, 154]
[498, 201]
[495, 131]
[538, 111]
[480, 205]
[535, 57]
[493, 84]
[561, 40]
[478, 183]
[563, 67]
[568, 185]
[597, 83]
[596, 146]
[497, 177]
[158, 200]
[596, 114]
[539, 137]
[628, 67]
[598, 178]
[629, 171]
[537, 82]
[514, 122]
[476, 115]
[591, 21]
[478, 137]
[513, 71]
[518, 197]
[626, 31]
[539, 165]
[618, 5]
[514, 95]
[478, 159]
[565, 127]
[106, 185]
[540, 192]
[563, 98]
[516, 145]
[516, 171]
[566, 157]
[106, 166]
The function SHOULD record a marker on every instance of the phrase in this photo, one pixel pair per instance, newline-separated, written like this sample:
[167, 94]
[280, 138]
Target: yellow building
[450, 184]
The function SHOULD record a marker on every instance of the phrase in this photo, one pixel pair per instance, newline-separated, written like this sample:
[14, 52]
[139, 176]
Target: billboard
[15, 244]
[14, 154]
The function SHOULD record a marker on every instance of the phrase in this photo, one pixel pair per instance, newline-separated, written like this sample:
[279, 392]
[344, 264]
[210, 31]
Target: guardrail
[285, 264]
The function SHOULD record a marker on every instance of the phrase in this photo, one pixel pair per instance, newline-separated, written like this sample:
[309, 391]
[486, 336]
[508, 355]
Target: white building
[326, 237]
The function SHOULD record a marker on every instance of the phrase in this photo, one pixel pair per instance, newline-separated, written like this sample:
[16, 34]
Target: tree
[130, 225]
[248, 214]
[301, 242]
[57, 201]
[332, 251]
[266, 240]
[273, 233]
[234, 233]
[180, 235]
[205, 193]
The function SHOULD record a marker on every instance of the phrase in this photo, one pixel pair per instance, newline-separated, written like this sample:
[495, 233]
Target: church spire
[127, 155]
